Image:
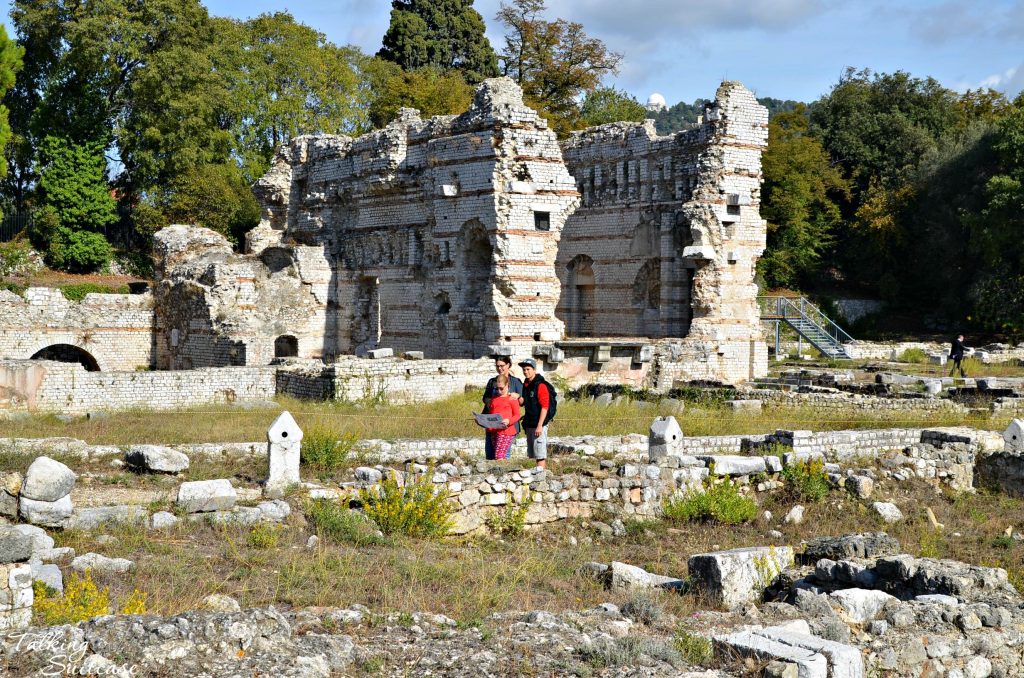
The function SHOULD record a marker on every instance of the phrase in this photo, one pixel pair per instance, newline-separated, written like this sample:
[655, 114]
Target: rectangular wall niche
[542, 221]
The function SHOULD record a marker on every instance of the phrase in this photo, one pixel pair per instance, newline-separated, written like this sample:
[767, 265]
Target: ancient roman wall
[443, 232]
[114, 330]
[667, 237]
[48, 386]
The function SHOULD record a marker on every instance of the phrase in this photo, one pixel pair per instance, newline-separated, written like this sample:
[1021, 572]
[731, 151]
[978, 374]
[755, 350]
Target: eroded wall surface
[114, 330]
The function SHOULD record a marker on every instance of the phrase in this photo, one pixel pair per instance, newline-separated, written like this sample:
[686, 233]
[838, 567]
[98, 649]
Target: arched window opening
[66, 353]
[286, 346]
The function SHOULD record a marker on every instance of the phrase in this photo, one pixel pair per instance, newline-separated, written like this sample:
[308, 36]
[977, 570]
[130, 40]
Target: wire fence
[14, 223]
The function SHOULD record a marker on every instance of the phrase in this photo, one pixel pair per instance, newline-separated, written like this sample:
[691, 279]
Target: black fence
[13, 224]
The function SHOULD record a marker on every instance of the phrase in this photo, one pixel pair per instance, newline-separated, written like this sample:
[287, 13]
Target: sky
[787, 49]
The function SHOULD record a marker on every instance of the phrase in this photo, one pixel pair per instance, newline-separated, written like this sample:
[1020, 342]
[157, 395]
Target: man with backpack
[539, 403]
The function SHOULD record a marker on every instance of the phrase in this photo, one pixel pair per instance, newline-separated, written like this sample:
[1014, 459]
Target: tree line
[122, 116]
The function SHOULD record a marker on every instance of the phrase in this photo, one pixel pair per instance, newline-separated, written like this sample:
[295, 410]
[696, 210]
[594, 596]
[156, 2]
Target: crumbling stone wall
[667, 236]
[105, 331]
[441, 233]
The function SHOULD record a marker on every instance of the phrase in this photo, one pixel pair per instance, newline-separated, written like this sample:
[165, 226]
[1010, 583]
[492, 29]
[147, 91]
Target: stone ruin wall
[115, 330]
[456, 236]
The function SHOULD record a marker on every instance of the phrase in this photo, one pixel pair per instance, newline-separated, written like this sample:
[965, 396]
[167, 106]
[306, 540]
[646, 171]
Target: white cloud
[1010, 81]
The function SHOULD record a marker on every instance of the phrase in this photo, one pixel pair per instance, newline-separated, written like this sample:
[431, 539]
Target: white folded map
[490, 420]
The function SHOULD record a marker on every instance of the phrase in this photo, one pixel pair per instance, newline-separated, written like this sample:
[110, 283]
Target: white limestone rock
[890, 512]
[735, 465]
[101, 564]
[1013, 436]
[664, 438]
[49, 513]
[274, 511]
[795, 516]
[218, 602]
[625, 577]
[97, 516]
[207, 495]
[156, 459]
[861, 605]
[49, 574]
[844, 661]
[748, 643]
[41, 541]
[739, 576]
[47, 480]
[163, 520]
[15, 546]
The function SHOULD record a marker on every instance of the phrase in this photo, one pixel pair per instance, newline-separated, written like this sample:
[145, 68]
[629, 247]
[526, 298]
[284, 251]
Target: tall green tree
[553, 61]
[287, 79]
[10, 63]
[429, 90]
[608, 104]
[443, 34]
[798, 200]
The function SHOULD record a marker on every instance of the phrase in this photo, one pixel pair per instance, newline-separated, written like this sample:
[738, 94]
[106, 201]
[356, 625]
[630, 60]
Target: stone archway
[286, 346]
[581, 300]
[68, 353]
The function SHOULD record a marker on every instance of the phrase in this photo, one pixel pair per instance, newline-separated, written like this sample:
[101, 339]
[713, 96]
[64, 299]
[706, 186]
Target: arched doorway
[286, 346]
[581, 300]
[67, 353]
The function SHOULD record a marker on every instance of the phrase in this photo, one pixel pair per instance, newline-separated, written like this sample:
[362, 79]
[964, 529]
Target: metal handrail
[800, 308]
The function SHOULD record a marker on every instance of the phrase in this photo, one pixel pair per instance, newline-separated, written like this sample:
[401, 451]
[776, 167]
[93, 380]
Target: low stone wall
[854, 401]
[49, 386]
[16, 596]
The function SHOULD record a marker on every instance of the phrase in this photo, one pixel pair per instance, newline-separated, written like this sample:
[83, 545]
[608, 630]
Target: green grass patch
[806, 480]
[77, 291]
[342, 525]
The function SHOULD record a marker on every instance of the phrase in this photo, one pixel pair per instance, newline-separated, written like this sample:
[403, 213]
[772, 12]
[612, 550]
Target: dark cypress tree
[447, 34]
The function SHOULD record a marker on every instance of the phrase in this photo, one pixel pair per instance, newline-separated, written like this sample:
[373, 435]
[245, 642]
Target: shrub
[627, 651]
[81, 601]
[807, 480]
[77, 291]
[696, 649]
[1004, 541]
[264, 536]
[136, 603]
[718, 502]
[14, 256]
[339, 524]
[415, 510]
[642, 608]
[1016, 578]
[79, 251]
[324, 450]
[510, 523]
[913, 355]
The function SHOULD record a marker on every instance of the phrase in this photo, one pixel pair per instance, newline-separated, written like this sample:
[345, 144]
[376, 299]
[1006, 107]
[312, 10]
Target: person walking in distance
[956, 353]
[538, 406]
[502, 365]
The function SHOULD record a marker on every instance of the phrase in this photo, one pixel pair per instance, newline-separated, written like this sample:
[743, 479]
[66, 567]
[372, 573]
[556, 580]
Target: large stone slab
[49, 513]
[738, 576]
[92, 518]
[625, 577]
[101, 564]
[844, 661]
[749, 644]
[735, 465]
[156, 459]
[47, 480]
[863, 545]
[206, 495]
[861, 605]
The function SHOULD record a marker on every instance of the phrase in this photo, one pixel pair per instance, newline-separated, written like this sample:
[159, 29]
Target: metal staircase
[808, 321]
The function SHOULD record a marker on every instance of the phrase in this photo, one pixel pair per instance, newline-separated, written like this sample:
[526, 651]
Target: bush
[324, 450]
[807, 480]
[264, 536]
[81, 601]
[717, 502]
[415, 510]
[913, 355]
[642, 608]
[342, 525]
[695, 649]
[77, 291]
[14, 256]
[79, 251]
[510, 523]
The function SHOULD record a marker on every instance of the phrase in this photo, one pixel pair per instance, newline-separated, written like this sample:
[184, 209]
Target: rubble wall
[115, 330]
[49, 386]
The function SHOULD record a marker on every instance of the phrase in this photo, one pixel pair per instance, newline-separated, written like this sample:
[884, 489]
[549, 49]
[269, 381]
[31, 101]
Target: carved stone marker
[284, 443]
[664, 438]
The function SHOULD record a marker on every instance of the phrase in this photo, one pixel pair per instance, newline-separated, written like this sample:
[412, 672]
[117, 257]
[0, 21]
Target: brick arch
[67, 353]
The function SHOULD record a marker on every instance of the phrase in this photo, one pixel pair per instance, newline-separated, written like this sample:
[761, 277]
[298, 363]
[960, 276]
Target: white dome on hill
[656, 102]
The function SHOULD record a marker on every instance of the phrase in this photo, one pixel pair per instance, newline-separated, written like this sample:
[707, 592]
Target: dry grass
[451, 418]
[469, 579]
[973, 367]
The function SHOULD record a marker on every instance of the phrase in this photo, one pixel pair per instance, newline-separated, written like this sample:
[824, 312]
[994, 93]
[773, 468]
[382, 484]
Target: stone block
[1013, 436]
[49, 574]
[379, 353]
[625, 577]
[749, 644]
[413, 355]
[101, 564]
[206, 495]
[735, 465]
[47, 480]
[865, 545]
[602, 354]
[738, 576]
[163, 520]
[94, 517]
[890, 512]
[284, 447]
[49, 513]
[15, 546]
[751, 406]
[156, 459]
[844, 661]
[664, 438]
[861, 605]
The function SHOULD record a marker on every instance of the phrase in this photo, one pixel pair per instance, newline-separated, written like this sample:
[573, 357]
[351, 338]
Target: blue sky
[789, 49]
